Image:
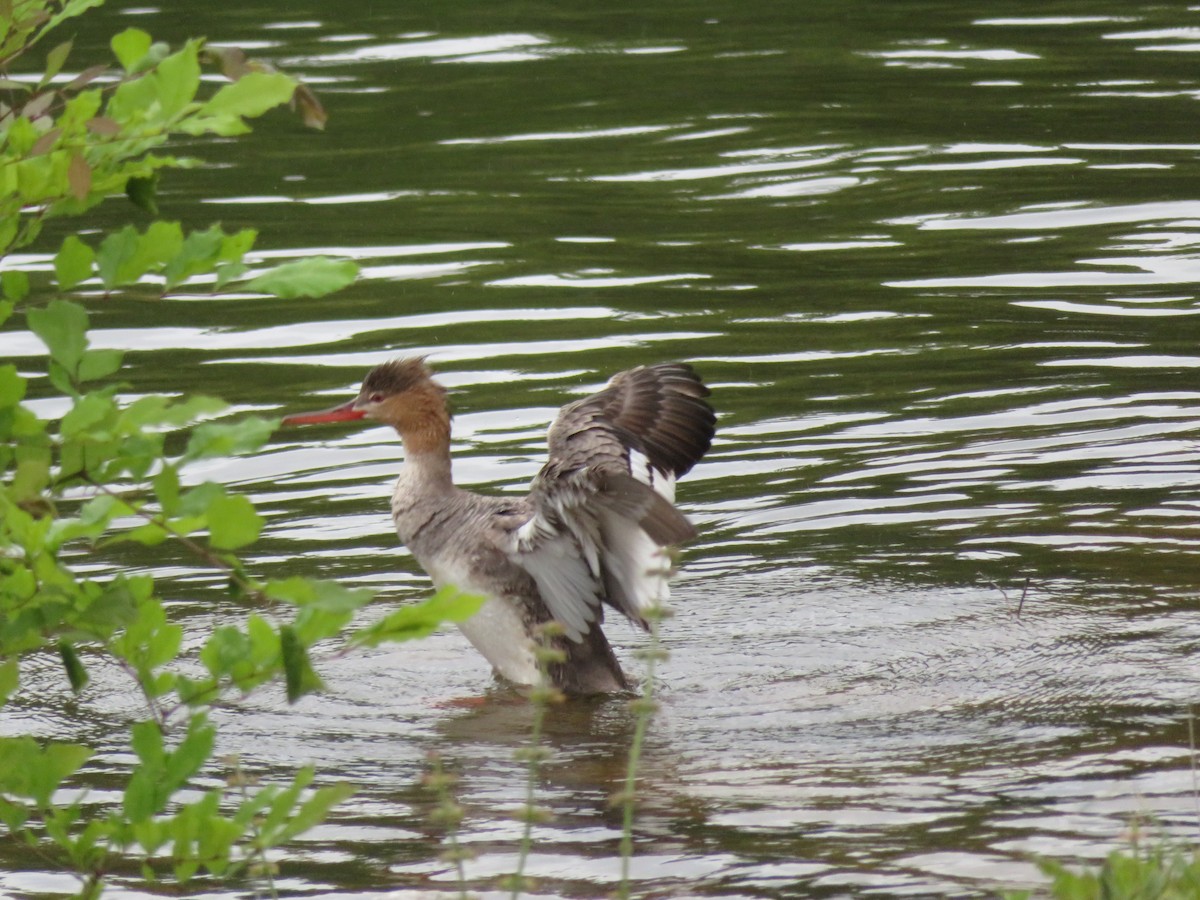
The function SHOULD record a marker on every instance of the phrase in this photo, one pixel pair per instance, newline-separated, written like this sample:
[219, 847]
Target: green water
[938, 263]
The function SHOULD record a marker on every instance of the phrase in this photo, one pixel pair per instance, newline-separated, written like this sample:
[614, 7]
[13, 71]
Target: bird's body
[594, 529]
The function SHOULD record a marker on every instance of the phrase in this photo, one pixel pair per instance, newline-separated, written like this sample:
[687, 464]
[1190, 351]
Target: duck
[597, 528]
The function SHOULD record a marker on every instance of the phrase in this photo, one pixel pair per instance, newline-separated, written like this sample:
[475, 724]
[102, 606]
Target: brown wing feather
[603, 509]
[658, 411]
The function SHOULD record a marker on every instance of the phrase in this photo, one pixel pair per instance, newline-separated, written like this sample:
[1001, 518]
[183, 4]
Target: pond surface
[938, 262]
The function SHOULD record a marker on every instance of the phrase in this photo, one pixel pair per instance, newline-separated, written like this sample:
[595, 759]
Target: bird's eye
[376, 397]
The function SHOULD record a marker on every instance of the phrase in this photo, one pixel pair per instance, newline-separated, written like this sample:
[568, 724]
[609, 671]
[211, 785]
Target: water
[937, 262]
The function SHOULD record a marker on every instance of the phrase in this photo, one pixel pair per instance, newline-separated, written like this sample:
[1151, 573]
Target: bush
[101, 476]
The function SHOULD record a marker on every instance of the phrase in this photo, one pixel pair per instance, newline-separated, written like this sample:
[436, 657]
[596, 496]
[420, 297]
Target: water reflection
[937, 265]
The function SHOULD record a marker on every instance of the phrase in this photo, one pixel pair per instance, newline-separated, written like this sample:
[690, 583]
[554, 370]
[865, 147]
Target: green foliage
[311, 277]
[1159, 871]
[410, 622]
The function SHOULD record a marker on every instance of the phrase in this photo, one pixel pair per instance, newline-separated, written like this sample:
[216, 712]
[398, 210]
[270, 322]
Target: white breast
[497, 630]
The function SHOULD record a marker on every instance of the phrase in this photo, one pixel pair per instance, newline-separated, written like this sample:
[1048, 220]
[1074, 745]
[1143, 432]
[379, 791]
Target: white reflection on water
[1076, 216]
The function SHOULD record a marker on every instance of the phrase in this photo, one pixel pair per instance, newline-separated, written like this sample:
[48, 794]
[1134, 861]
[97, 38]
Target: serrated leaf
[73, 262]
[99, 364]
[12, 386]
[298, 672]
[313, 277]
[125, 256]
[62, 326]
[155, 409]
[228, 439]
[28, 770]
[130, 46]
[411, 622]
[15, 285]
[251, 95]
[178, 77]
[200, 252]
[114, 249]
[325, 595]
[232, 522]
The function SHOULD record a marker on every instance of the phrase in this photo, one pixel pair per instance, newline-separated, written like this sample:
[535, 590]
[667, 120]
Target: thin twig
[542, 695]
[644, 708]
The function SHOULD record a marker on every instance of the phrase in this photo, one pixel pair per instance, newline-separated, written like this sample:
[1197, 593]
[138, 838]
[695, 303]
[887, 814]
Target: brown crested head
[403, 394]
[395, 377]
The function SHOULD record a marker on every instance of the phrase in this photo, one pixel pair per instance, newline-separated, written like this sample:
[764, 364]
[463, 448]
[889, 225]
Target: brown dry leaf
[79, 176]
[103, 125]
[45, 142]
[87, 75]
[232, 60]
[38, 104]
[311, 110]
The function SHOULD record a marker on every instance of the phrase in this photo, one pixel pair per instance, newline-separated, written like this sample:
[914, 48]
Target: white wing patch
[567, 574]
[639, 569]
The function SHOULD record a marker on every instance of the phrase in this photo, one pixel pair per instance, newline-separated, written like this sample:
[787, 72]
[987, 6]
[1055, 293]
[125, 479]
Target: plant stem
[535, 754]
[449, 815]
[644, 707]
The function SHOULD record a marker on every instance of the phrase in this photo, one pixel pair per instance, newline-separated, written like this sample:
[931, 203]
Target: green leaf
[15, 285]
[232, 522]
[156, 409]
[62, 326]
[251, 95]
[70, 9]
[191, 753]
[297, 669]
[200, 253]
[227, 439]
[130, 46]
[76, 673]
[178, 77]
[314, 810]
[314, 277]
[411, 622]
[143, 193]
[54, 62]
[166, 487]
[325, 595]
[146, 741]
[10, 679]
[124, 257]
[88, 415]
[12, 386]
[73, 262]
[99, 364]
[26, 770]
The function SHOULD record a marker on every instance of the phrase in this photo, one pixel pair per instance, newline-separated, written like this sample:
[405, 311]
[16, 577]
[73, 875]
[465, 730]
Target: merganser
[595, 528]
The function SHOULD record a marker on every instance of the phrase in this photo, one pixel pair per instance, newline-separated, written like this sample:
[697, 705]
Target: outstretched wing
[604, 512]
